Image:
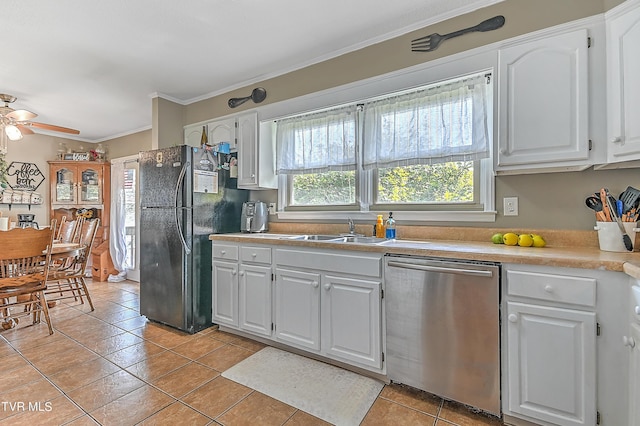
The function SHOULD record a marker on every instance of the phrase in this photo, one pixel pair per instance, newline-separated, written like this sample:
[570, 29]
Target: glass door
[131, 219]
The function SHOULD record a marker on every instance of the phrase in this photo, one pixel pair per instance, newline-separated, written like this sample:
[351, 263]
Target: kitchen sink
[315, 237]
[363, 240]
[360, 239]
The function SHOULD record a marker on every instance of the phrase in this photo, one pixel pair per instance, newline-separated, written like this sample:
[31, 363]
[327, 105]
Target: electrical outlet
[272, 208]
[510, 206]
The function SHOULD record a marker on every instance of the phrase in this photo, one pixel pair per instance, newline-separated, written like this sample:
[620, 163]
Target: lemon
[510, 239]
[538, 241]
[525, 240]
[497, 239]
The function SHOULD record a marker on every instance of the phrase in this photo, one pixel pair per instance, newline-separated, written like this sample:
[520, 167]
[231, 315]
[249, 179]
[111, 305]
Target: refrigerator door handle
[187, 249]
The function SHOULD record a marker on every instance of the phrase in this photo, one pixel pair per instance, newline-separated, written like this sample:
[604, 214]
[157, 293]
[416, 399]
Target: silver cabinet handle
[441, 269]
[617, 139]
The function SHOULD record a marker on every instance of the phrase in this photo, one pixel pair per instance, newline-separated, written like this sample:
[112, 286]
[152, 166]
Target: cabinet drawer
[339, 262]
[225, 251]
[555, 288]
[255, 254]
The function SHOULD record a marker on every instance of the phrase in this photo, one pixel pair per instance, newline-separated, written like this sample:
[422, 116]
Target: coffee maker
[254, 217]
[27, 221]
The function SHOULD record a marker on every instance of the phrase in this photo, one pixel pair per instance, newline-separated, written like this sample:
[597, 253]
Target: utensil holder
[610, 237]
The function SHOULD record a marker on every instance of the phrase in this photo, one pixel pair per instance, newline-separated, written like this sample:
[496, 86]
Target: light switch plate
[510, 206]
[272, 208]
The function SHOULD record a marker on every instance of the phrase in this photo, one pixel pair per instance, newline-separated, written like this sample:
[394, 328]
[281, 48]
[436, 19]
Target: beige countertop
[583, 256]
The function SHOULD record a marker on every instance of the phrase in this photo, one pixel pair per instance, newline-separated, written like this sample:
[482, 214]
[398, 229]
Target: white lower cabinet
[552, 363]
[351, 320]
[563, 362]
[241, 288]
[255, 299]
[225, 293]
[297, 308]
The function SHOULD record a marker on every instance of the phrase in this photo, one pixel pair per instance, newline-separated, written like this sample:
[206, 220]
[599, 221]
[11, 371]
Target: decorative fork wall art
[432, 41]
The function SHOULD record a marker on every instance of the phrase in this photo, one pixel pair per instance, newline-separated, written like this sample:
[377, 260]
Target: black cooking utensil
[432, 41]
[629, 198]
[594, 203]
[257, 95]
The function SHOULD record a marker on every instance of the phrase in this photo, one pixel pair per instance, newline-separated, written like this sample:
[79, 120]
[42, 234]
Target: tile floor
[113, 367]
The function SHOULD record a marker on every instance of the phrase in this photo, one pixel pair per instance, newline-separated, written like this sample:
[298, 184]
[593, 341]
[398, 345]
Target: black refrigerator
[186, 194]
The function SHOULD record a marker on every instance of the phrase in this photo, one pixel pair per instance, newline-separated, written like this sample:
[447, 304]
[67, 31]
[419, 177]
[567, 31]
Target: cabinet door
[551, 356]
[222, 131]
[64, 180]
[634, 376]
[90, 184]
[297, 308]
[351, 327]
[225, 293]
[248, 150]
[193, 135]
[543, 101]
[623, 77]
[255, 299]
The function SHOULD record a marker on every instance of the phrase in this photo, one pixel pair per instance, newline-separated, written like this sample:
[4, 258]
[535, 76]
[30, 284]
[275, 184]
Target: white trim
[621, 9]
[413, 216]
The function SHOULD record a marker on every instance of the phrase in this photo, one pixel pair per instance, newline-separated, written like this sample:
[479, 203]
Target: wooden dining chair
[69, 230]
[25, 255]
[65, 279]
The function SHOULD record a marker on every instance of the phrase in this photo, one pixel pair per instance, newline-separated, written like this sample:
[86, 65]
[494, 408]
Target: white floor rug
[335, 395]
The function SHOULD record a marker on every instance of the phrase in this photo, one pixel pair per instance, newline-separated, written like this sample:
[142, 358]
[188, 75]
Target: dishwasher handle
[442, 269]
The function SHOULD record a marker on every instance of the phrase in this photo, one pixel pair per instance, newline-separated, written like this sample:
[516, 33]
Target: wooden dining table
[62, 250]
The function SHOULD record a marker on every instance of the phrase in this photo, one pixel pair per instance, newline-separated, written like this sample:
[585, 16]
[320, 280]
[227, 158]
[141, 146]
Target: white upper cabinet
[193, 135]
[222, 131]
[256, 156]
[251, 140]
[544, 104]
[217, 131]
[623, 78]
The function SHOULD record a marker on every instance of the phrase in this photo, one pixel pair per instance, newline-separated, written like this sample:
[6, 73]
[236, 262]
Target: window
[425, 149]
[444, 183]
[323, 189]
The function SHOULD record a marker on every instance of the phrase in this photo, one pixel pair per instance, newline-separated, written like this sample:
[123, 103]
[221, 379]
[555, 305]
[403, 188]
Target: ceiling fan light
[13, 133]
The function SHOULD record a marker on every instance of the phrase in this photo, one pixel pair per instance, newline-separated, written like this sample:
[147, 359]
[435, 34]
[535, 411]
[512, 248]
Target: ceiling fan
[17, 122]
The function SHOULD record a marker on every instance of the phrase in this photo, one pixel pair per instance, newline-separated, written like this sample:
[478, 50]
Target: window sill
[412, 216]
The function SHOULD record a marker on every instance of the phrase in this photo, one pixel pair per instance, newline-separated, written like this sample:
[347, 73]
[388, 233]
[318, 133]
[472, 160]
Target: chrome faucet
[352, 227]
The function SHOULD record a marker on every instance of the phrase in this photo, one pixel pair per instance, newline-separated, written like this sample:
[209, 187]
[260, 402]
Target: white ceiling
[94, 65]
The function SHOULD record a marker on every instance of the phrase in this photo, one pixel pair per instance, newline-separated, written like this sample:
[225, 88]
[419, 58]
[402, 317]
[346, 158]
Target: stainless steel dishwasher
[443, 328]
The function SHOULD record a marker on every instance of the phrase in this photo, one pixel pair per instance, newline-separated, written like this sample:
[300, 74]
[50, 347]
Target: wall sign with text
[24, 176]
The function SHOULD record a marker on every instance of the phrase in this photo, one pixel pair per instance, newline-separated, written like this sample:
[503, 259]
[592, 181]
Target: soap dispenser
[390, 227]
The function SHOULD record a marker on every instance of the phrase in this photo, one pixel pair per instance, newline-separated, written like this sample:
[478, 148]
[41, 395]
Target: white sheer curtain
[438, 124]
[318, 142]
[117, 235]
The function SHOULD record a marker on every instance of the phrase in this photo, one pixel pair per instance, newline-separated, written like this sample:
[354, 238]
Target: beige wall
[128, 145]
[168, 122]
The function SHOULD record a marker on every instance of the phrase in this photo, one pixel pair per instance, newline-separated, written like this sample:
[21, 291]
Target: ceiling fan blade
[21, 115]
[24, 129]
[52, 127]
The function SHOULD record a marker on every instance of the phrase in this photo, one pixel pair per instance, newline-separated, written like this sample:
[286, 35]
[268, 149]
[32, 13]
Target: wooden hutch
[77, 185]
